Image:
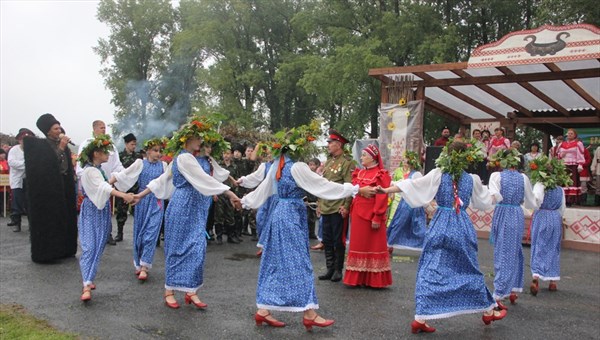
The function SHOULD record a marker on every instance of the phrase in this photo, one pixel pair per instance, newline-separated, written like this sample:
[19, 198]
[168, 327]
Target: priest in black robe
[51, 193]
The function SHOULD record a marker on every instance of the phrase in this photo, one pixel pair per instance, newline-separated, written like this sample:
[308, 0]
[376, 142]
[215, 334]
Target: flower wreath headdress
[100, 143]
[505, 158]
[454, 162]
[412, 159]
[296, 143]
[550, 172]
[201, 127]
[150, 143]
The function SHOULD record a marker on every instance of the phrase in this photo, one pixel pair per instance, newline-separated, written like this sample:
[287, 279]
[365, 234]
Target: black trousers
[333, 227]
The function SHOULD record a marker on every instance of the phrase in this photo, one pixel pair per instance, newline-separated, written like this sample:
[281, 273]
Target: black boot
[14, 220]
[119, 236]
[17, 227]
[254, 235]
[219, 232]
[111, 241]
[340, 253]
[329, 261]
[231, 238]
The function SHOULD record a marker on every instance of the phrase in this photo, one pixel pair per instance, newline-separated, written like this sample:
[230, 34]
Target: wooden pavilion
[547, 78]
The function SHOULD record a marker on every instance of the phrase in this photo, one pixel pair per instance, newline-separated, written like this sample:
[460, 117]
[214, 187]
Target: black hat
[239, 147]
[128, 138]
[445, 128]
[45, 123]
[336, 136]
[24, 132]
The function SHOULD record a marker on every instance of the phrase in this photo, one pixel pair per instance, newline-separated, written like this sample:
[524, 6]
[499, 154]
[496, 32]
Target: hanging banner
[400, 129]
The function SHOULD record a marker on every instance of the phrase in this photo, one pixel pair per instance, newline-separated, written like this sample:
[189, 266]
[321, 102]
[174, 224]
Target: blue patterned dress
[546, 234]
[185, 241]
[208, 200]
[148, 216]
[94, 226]
[262, 214]
[285, 278]
[407, 228]
[449, 282]
[507, 234]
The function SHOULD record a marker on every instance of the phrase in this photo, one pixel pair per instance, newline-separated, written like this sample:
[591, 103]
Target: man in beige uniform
[338, 168]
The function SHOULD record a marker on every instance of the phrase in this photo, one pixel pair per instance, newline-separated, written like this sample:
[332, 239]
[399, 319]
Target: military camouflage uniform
[248, 217]
[225, 213]
[122, 208]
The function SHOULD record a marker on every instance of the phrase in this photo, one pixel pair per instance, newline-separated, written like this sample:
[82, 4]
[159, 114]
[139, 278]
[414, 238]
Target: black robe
[52, 202]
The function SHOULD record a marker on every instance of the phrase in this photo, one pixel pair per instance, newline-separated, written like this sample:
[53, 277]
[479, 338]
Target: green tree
[134, 56]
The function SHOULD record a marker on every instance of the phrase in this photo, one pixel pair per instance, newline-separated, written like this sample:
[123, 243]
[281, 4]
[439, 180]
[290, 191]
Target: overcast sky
[47, 65]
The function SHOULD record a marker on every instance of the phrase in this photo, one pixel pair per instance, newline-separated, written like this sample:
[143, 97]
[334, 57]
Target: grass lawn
[16, 323]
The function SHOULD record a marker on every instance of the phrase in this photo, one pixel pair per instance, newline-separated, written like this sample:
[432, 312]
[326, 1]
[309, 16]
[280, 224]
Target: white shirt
[112, 165]
[530, 200]
[162, 187]
[421, 191]
[16, 163]
[96, 187]
[305, 179]
[128, 177]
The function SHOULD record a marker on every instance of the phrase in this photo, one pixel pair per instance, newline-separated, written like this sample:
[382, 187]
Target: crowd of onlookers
[583, 162]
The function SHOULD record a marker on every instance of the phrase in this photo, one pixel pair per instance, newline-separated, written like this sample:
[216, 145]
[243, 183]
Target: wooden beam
[515, 78]
[462, 97]
[575, 87]
[386, 71]
[443, 108]
[496, 94]
[536, 92]
[559, 120]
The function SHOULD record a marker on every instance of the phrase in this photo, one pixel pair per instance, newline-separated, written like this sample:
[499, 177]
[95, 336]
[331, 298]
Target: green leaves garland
[296, 142]
[455, 162]
[550, 172]
[505, 158]
[100, 143]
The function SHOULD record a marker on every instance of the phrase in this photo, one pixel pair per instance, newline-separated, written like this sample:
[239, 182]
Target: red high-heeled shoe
[86, 295]
[188, 300]
[552, 287]
[535, 287]
[173, 305]
[263, 318]
[513, 298]
[308, 323]
[501, 305]
[487, 319]
[417, 327]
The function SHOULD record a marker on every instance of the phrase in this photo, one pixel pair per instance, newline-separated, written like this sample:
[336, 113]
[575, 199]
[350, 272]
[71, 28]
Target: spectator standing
[16, 162]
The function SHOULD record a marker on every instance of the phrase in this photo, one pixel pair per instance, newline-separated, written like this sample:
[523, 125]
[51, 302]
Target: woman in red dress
[368, 261]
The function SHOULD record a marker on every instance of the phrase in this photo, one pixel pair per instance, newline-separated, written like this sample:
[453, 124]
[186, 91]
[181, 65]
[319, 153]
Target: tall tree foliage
[266, 64]
[135, 56]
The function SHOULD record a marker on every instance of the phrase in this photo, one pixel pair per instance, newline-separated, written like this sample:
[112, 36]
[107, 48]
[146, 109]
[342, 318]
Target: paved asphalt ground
[123, 308]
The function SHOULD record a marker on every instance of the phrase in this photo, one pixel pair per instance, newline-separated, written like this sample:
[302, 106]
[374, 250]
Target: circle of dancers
[449, 281]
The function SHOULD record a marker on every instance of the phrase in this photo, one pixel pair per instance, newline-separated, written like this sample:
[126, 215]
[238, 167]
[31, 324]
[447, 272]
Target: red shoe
[495, 316]
[188, 300]
[501, 305]
[535, 286]
[390, 250]
[86, 295]
[143, 275]
[552, 287]
[263, 318]
[308, 323]
[318, 246]
[92, 286]
[513, 298]
[173, 305]
[417, 327]
[259, 253]
[137, 272]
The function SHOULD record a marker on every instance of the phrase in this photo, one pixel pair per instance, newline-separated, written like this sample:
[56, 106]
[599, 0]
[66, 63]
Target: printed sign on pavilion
[400, 129]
